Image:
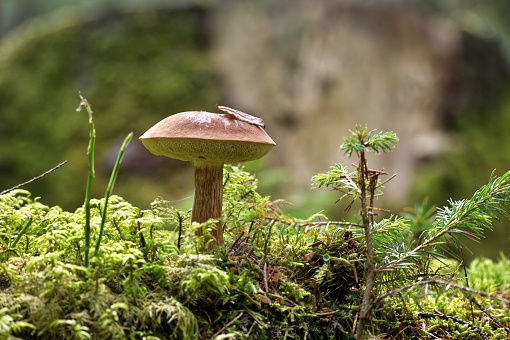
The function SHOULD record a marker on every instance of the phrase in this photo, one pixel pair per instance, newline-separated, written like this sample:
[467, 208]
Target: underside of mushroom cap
[200, 136]
[214, 151]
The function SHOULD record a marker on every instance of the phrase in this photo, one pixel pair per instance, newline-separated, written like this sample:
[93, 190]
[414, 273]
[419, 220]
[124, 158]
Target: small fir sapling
[361, 185]
[469, 217]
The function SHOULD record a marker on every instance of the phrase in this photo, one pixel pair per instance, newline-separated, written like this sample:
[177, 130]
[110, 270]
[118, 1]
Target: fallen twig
[227, 325]
[327, 313]
[247, 295]
[448, 284]
[496, 321]
[34, 179]
[263, 325]
[265, 278]
[442, 316]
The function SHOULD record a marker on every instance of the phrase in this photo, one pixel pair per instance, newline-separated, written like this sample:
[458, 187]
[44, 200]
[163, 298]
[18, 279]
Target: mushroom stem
[208, 198]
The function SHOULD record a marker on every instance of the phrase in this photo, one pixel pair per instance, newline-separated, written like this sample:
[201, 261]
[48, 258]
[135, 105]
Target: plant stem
[270, 229]
[181, 220]
[90, 153]
[370, 271]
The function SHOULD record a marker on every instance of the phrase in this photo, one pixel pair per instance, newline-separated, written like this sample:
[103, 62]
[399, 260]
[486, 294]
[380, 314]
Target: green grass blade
[21, 233]
[109, 188]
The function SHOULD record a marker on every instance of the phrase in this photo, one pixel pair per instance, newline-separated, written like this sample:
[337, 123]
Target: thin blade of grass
[109, 188]
[21, 233]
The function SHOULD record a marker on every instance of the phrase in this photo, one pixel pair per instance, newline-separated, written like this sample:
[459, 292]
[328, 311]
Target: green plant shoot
[91, 174]
[109, 188]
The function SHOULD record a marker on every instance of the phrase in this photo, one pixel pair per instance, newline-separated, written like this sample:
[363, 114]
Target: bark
[208, 198]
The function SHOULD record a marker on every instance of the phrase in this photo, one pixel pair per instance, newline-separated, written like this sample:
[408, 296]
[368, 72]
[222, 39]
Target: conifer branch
[471, 216]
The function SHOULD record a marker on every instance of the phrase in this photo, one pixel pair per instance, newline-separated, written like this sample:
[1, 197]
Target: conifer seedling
[361, 185]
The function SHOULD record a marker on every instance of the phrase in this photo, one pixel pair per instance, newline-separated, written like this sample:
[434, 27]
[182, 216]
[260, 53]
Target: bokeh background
[435, 72]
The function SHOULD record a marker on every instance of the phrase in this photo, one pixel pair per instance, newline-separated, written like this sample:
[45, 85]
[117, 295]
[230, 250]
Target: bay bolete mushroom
[209, 140]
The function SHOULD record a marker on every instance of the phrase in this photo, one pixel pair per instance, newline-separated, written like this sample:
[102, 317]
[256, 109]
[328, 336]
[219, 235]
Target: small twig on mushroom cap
[239, 115]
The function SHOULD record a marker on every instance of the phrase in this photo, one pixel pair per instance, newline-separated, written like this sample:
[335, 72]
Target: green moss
[276, 277]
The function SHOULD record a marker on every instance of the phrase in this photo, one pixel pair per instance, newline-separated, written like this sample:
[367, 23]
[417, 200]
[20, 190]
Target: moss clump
[276, 277]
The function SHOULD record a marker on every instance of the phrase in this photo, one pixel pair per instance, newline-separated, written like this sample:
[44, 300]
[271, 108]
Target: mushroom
[208, 140]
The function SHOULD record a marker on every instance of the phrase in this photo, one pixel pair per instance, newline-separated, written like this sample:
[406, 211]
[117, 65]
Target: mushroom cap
[199, 136]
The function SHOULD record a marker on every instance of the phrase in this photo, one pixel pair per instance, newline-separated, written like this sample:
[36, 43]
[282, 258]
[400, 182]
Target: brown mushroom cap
[199, 136]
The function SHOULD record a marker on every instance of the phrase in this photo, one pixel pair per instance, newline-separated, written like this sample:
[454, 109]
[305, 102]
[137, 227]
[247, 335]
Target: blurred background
[435, 72]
